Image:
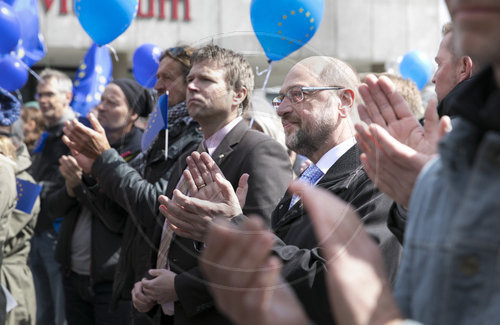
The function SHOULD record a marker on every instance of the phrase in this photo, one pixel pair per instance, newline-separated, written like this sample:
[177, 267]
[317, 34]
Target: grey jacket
[449, 273]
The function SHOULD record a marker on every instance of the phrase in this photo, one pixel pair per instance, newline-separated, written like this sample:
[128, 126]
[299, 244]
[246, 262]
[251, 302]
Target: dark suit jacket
[242, 151]
[298, 248]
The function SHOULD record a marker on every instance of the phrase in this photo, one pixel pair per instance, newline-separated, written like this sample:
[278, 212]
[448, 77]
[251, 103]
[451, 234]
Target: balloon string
[33, 73]
[267, 75]
[260, 73]
[113, 51]
[19, 96]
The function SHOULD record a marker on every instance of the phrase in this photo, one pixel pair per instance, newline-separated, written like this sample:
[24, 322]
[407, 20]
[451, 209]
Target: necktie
[311, 176]
[168, 233]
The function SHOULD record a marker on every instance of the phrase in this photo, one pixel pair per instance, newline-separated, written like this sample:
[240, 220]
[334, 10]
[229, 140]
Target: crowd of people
[389, 221]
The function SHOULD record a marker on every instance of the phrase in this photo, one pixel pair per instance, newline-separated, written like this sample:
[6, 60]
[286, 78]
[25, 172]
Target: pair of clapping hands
[210, 196]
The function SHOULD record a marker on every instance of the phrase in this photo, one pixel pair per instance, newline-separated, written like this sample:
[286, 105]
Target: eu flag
[27, 193]
[158, 120]
[92, 76]
[31, 47]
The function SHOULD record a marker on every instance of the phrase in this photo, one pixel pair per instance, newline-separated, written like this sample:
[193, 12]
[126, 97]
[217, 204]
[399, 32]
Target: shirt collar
[332, 155]
[214, 141]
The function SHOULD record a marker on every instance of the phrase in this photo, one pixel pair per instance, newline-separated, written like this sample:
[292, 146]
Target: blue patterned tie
[310, 175]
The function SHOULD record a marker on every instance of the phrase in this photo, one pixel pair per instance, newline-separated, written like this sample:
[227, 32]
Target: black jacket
[106, 225]
[45, 170]
[136, 188]
[297, 247]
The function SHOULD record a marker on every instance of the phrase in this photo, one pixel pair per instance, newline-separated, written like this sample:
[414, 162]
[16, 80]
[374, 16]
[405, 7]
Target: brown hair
[182, 54]
[32, 114]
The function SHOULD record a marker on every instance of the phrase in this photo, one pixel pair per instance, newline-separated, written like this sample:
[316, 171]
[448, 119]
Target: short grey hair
[63, 82]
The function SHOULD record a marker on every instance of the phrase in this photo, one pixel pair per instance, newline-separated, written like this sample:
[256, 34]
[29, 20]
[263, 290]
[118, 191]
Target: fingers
[371, 107]
[197, 178]
[395, 149]
[211, 165]
[203, 167]
[95, 123]
[233, 256]
[365, 140]
[188, 178]
[335, 226]
[177, 217]
[242, 190]
[396, 103]
[363, 113]
[381, 99]
[141, 302]
[225, 187]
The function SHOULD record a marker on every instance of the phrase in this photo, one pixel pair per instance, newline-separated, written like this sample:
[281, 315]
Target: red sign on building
[148, 9]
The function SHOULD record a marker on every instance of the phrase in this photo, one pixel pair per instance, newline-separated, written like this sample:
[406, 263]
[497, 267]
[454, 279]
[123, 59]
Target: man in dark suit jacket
[218, 90]
[317, 104]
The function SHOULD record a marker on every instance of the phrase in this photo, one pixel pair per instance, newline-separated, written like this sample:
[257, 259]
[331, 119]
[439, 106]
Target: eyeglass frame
[179, 54]
[46, 94]
[280, 98]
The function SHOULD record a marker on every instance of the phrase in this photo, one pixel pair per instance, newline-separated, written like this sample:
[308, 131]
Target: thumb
[444, 126]
[431, 116]
[242, 190]
[155, 272]
[95, 123]
[224, 185]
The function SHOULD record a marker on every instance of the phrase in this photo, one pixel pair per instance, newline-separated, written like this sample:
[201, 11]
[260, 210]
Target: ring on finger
[202, 186]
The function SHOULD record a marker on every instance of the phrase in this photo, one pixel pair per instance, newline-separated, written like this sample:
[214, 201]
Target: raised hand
[85, 141]
[243, 277]
[210, 196]
[71, 172]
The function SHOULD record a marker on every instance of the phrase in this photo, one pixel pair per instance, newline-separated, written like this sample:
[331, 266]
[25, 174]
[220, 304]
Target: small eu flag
[40, 143]
[93, 74]
[158, 120]
[27, 194]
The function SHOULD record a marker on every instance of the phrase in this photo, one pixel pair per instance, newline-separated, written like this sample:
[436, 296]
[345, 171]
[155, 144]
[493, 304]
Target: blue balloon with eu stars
[284, 26]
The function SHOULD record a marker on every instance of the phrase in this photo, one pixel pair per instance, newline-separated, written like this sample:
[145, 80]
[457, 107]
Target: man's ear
[465, 68]
[69, 96]
[240, 96]
[133, 116]
[346, 102]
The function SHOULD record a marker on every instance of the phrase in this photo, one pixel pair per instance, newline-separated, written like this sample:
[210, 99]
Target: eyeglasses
[296, 94]
[47, 94]
[180, 54]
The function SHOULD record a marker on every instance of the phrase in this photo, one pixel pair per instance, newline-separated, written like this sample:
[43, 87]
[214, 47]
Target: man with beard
[317, 103]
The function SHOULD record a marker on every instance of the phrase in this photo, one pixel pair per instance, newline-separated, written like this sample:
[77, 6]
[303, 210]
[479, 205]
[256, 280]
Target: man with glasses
[317, 105]
[54, 94]
[136, 187]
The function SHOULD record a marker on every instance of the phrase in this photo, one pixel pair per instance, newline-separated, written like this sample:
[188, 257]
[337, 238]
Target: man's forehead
[168, 64]
[300, 76]
[48, 84]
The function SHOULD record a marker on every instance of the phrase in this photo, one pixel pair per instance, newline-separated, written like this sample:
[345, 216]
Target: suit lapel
[335, 179]
[229, 142]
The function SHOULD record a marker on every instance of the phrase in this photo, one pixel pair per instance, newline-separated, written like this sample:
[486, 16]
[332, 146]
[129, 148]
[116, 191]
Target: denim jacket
[450, 273]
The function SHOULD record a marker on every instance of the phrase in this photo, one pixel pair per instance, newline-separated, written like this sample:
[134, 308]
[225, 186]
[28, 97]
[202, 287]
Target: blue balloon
[14, 74]
[145, 64]
[105, 20]
[10, 28]
[416, 66]
[284, 26]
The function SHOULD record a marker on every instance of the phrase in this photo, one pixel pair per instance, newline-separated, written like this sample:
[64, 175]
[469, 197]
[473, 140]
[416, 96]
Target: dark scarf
[478, 101]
